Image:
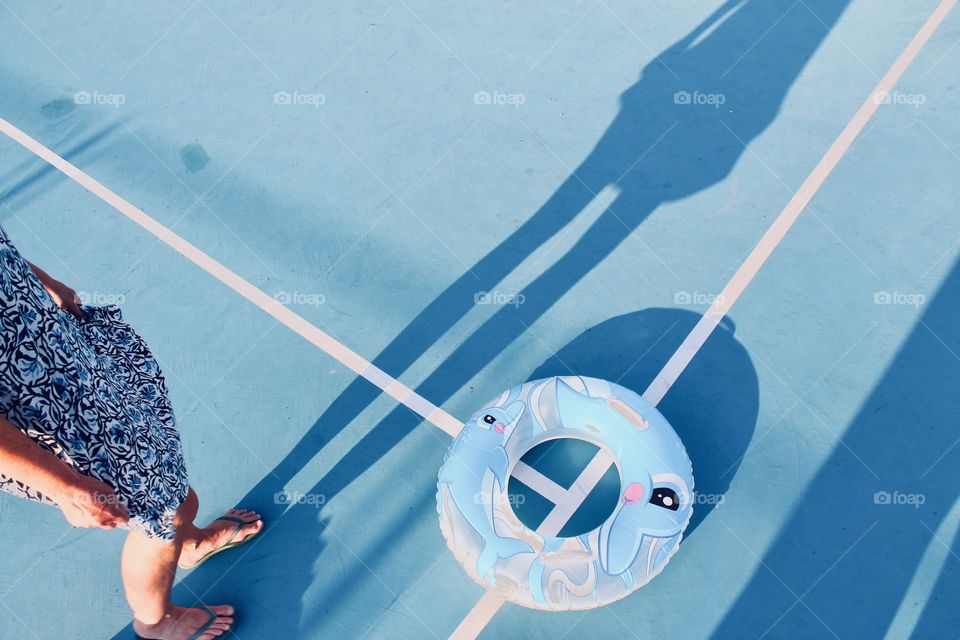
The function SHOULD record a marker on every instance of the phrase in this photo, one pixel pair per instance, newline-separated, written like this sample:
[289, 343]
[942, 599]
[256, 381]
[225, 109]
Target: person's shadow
[669, 140]
[852, 544]
[713, 406]
[940, 614]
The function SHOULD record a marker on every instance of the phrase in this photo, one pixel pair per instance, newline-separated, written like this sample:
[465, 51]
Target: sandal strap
[240, 525]
[204, 628]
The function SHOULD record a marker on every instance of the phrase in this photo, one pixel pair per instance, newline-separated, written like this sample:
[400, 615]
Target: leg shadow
[655, 151]
[941, 616]
[658, 149]
[713, 406]
[849, 549]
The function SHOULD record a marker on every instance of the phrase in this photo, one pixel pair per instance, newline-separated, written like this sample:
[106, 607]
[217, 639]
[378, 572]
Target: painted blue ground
[383, 212]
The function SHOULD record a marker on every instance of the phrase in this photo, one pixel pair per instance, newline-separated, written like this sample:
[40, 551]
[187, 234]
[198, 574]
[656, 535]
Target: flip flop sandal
[199, 632]
[230, 543]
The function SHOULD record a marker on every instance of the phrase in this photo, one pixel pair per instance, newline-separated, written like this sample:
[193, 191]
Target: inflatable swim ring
[531, 564]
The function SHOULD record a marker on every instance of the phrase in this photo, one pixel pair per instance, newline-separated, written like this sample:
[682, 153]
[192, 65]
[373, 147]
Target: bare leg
[187, 532]
[149, 566]
[198, 542]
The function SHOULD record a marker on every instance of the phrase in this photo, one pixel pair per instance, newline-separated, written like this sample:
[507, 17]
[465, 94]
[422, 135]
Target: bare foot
[219, 533]
[183, 623]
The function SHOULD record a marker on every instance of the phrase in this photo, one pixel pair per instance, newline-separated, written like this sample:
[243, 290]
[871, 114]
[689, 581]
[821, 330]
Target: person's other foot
[183, 623]
[218, 534]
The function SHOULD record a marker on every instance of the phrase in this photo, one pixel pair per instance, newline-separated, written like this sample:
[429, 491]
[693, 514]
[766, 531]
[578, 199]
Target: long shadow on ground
[660, 147]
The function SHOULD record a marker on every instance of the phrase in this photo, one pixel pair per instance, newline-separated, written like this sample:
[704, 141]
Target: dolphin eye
[486, 421]
[665, 497]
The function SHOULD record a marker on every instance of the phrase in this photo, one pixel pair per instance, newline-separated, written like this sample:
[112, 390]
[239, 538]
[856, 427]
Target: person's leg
[149, 567]
[197, 542]
[187, 531]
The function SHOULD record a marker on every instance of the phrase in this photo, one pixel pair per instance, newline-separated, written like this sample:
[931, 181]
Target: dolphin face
[497, 423]
[656, 482]
[649, 518]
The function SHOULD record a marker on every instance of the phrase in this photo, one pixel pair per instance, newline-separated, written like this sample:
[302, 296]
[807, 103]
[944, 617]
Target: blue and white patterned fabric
[88, 390]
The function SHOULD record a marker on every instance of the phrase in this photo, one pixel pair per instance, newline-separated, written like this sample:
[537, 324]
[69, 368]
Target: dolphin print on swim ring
[479, 450]
[656, 500]
[536, 567]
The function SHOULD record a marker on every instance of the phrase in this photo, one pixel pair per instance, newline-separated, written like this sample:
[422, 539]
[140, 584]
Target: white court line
[566, 502]
[745, 274]
[574, 496]
[538, 482]
[479, 617]
[490, 603]
[483, 612]
[352, 360]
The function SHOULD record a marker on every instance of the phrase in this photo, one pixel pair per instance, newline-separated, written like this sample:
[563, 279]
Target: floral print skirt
[89, 391]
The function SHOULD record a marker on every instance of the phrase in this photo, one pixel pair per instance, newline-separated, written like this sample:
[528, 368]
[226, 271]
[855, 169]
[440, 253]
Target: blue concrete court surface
[475, 194]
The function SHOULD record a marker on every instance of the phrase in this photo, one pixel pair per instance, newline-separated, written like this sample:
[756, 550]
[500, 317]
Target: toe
[244, 514]
[252, 522]
[223, 610]
[250, 529]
